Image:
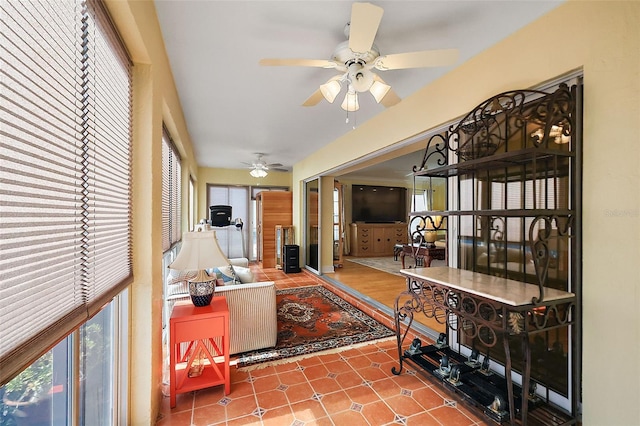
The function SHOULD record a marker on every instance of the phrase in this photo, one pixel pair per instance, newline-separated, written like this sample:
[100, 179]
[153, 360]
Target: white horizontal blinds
[107, 146]
[171, 193]
[176, 197]
[166, 191]
[40, 201]
[64, 173]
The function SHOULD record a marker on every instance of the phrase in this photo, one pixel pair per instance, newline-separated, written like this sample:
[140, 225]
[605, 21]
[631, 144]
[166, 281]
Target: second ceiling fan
[356, 58]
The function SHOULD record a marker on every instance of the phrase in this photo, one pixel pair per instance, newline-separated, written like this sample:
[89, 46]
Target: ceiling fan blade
[317, 63]
[390, 99]
[365, 19]
[274, 165]
[314, 98]
[421, 59]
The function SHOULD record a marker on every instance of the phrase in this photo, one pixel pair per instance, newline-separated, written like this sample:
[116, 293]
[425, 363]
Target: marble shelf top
[503, 290]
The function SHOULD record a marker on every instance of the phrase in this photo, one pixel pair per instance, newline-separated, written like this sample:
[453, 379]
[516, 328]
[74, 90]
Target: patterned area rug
[313, 319]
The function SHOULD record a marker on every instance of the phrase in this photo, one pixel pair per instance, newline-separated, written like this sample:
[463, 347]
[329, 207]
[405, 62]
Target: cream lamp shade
[200, 251]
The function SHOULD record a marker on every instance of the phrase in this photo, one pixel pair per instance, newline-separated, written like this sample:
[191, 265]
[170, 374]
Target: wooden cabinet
[376, 239]
[272, 208]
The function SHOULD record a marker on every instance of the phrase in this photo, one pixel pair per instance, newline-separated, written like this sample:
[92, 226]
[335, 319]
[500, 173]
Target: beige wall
[599, 37]
[603, 39]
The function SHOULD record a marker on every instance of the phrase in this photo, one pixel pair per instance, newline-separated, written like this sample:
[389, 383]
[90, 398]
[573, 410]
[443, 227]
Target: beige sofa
[252, 315]
[253, 319]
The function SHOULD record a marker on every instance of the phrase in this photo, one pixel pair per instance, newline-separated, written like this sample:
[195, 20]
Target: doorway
[312, 224]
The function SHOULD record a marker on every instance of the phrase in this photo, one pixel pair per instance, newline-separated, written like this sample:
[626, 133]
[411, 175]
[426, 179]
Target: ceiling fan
[356, 58]
[259, 168]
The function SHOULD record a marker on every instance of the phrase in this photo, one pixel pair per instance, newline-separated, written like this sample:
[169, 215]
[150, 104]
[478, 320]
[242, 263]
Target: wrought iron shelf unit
[485, 308]
[502, 160]
[491, 212]
[513, 166]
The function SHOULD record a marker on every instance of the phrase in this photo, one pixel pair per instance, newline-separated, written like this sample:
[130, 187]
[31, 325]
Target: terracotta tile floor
[353, 387]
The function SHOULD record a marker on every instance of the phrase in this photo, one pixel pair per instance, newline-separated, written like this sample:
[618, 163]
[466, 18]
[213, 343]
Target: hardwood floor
[379, 286]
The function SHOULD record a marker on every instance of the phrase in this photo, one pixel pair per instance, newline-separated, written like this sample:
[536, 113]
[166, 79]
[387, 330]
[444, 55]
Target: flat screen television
[378, 204]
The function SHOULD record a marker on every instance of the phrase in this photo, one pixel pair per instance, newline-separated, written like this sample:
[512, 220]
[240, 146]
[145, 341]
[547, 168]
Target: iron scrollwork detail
[485, 130]
[545, 226]
[437, 147]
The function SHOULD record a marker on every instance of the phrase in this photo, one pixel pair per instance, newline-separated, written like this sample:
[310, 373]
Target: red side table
[205, 329]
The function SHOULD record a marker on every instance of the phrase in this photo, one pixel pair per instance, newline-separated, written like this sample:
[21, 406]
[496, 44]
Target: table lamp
[200, 251]
[432, 225]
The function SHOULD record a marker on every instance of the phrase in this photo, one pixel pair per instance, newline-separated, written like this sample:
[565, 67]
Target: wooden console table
[422, 254]
[484, 307]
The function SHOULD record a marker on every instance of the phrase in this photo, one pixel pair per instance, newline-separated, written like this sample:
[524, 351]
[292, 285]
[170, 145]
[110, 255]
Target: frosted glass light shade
[258, 173]
[379, 90]
[330, 90]
[350, 102]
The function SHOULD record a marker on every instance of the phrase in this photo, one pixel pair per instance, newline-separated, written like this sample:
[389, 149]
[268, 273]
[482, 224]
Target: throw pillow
[224, 274]
[244, 274]
[227, 273]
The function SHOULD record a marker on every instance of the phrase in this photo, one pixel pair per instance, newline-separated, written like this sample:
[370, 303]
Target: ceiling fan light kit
[259, 168]
[356, 57]
[258, 173]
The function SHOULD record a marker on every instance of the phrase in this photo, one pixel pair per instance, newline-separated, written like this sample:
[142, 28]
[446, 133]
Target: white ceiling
[235, 108]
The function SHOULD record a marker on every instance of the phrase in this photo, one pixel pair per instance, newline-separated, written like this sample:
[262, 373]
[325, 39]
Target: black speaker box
[220, 215]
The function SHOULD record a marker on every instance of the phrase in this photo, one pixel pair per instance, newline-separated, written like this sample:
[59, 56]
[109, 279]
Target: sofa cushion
[227, 272]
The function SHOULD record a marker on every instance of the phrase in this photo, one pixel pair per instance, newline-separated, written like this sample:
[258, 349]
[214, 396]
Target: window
[171, 193]
[42, 393]
[65, 219]
[232, 240]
